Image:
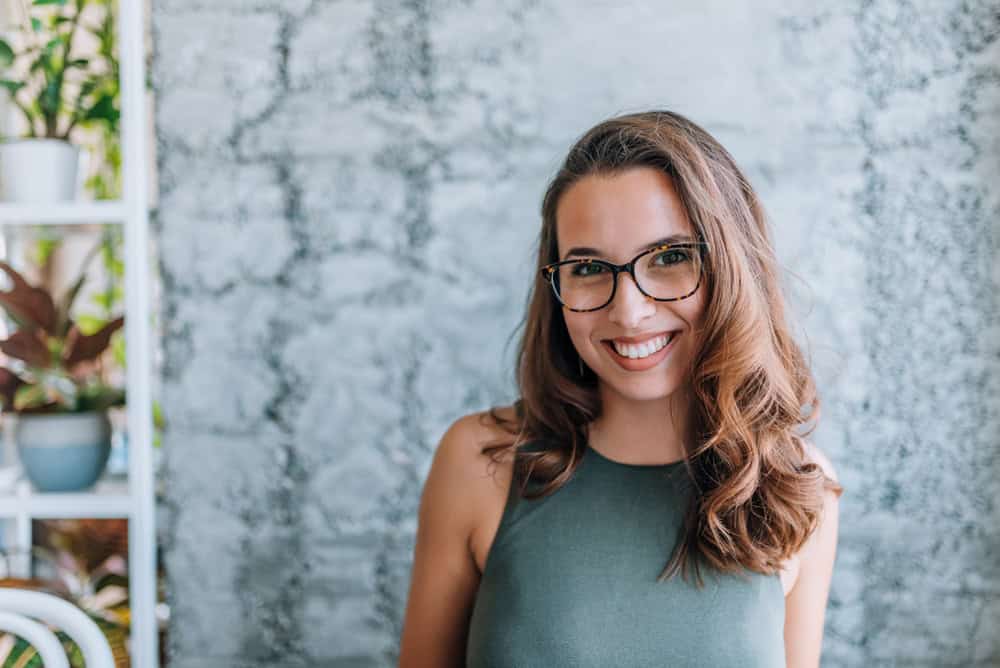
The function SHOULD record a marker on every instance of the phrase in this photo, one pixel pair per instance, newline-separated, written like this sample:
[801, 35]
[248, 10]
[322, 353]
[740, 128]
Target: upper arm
[805, 605]
[444, 578]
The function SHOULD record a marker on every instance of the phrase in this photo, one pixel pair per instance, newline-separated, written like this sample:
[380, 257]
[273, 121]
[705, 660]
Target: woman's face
[618, 216]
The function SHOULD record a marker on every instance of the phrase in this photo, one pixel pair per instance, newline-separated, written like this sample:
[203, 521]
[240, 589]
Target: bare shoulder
[805, 604]
[816, 455]
[792, 566]
[826, 533]
[459, 489]
[450, 490]
[488, 478]
[463, 442]
[475, 477]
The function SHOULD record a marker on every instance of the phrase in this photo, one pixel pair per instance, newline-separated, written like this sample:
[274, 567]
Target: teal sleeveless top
[570, 580]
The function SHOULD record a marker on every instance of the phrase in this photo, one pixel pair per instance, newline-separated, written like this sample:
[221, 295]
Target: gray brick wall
[349, 195]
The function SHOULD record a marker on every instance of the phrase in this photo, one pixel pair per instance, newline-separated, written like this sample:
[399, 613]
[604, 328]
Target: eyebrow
[595, 252]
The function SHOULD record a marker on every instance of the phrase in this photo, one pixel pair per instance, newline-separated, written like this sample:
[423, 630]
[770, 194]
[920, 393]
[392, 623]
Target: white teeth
[644, 349]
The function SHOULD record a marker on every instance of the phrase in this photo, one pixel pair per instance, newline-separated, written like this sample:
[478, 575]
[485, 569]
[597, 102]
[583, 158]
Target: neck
[640, 432]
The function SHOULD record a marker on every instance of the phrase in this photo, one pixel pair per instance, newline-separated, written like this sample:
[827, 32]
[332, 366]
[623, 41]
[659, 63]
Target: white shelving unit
[134, 497]
[64, 214]
[109, 499]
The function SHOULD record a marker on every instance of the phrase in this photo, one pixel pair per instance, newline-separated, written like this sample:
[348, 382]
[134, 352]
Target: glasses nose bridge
[629, 269]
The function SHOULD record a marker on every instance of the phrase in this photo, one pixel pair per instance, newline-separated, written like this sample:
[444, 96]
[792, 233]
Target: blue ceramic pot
[63, 452]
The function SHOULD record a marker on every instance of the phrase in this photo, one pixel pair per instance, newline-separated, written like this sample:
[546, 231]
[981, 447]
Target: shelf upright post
[21, 566]
[135, 161]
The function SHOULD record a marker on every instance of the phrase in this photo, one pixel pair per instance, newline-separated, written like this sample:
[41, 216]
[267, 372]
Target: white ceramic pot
[38, 171]
[63, 452]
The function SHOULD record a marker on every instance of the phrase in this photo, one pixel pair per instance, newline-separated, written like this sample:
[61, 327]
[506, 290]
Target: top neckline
[613, 462]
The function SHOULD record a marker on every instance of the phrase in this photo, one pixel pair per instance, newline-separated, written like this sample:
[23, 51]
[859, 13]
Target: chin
[655, 391]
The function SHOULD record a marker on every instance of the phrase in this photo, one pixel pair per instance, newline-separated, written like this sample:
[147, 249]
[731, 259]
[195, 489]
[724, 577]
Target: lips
[642, 363]
[645, 349]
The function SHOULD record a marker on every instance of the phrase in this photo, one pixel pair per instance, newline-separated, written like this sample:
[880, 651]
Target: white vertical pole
[22, 545]
[142, 532]
[10, 556]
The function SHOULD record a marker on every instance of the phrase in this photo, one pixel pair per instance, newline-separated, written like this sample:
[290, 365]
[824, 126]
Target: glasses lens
[670, 273]
[583, 284]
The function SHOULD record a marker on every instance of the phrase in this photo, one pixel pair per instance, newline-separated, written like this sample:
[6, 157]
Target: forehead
[619, 213]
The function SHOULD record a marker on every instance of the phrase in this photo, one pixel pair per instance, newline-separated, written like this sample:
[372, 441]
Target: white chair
[38, 636]
[18, 606]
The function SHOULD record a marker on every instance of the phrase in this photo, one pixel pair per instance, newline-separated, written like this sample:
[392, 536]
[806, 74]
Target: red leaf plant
[52, 366]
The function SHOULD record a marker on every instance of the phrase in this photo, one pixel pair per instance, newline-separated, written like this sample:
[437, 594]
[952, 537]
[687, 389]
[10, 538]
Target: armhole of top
[509, 516]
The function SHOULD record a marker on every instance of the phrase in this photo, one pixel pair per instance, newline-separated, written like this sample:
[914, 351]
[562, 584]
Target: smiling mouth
[642, 350]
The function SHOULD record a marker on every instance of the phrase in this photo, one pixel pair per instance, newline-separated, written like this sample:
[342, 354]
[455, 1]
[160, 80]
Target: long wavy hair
[756, 494]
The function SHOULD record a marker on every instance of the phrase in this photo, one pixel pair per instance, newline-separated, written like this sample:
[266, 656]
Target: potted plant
[54, 387]
[55, 90]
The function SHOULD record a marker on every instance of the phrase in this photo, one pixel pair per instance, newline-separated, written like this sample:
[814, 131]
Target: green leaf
[36, 24]
[118, 349]
[52, 45]
[103, 109]
[6, 54]
[89, 324]
[45, 246]
[49, 99]
[104, 299]
[29, 396]
[86, 88]
[39, 3]
[12, 86]
[38, 63]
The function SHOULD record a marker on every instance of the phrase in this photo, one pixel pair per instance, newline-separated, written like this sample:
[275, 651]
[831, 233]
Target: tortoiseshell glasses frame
[548, 272]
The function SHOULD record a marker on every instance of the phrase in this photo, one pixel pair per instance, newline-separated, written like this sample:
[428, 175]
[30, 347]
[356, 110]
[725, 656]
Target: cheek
[580, 328]
[691, 311]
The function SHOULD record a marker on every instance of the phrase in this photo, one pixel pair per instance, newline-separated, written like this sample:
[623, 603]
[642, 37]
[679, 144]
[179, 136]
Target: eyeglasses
[664, 273]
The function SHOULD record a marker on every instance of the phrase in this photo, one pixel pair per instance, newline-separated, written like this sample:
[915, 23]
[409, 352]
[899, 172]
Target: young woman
[650, 500]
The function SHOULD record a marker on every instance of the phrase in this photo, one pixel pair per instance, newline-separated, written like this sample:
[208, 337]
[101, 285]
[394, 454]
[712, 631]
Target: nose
[629, 306]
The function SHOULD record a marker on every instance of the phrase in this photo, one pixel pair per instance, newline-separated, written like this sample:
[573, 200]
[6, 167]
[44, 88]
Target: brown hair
[757, 497]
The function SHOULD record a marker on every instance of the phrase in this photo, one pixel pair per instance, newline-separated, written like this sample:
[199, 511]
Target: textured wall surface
[349, 195]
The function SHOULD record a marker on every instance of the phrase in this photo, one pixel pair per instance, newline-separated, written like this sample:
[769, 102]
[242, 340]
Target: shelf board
[109, 498]
[64, 213]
